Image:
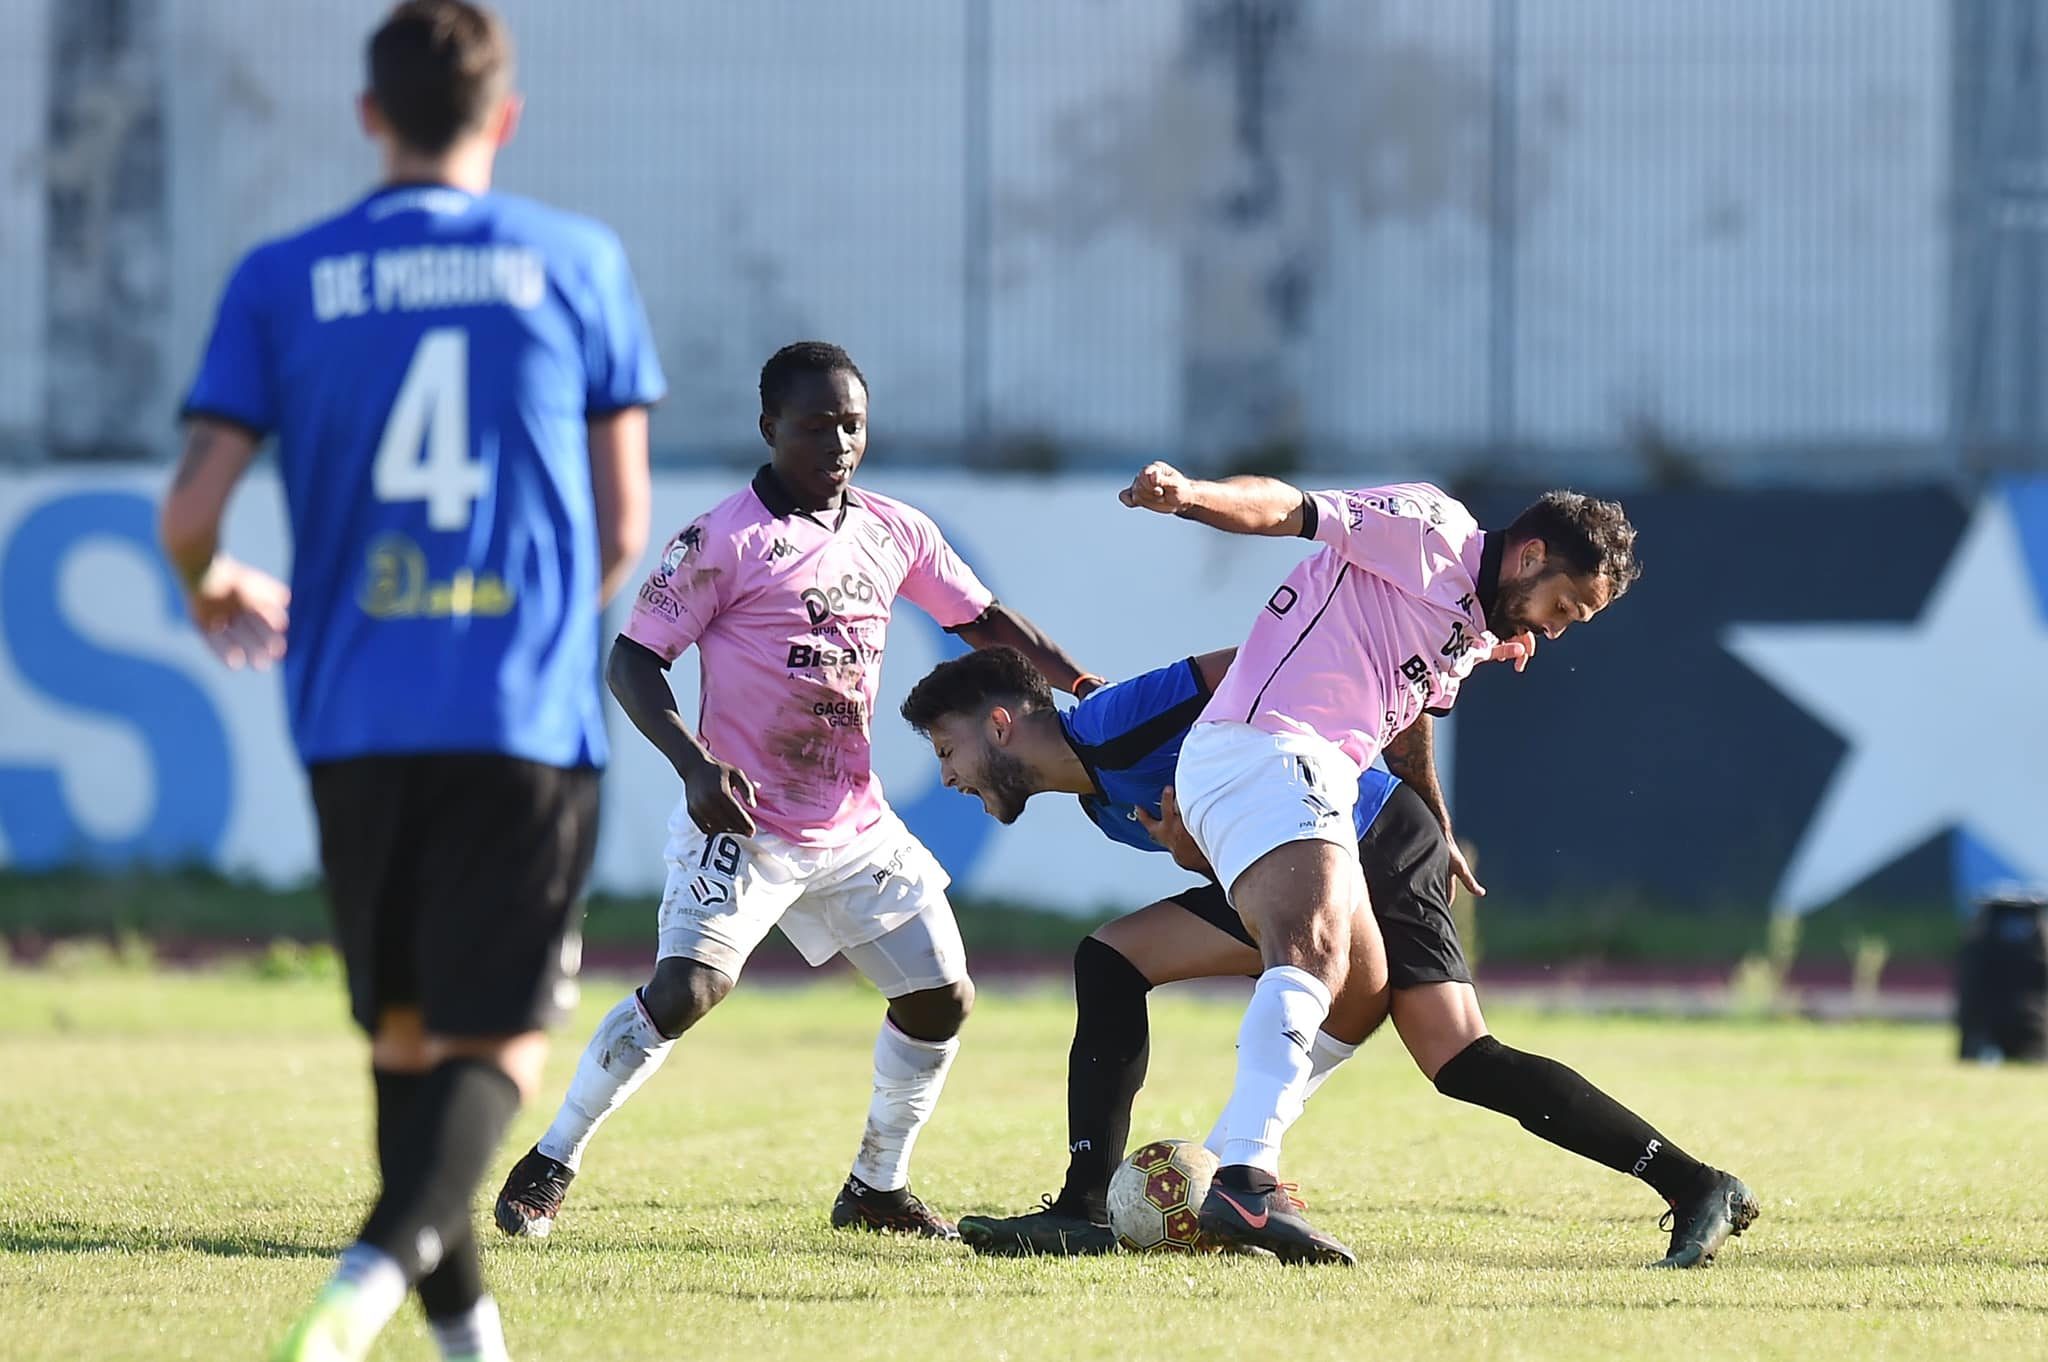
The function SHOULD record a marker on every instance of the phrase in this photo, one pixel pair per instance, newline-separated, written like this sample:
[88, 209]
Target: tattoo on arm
[1411, 756]
[201, 442]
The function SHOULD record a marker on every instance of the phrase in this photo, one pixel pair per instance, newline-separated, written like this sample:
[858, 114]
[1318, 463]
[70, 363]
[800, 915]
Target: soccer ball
[1155, 1197]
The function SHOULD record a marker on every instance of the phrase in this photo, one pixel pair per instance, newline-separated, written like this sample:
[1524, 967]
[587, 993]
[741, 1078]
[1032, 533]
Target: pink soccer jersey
[1364, 635]
[788, 611]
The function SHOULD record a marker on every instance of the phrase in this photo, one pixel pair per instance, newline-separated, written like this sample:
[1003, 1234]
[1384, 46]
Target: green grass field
[182, 1154]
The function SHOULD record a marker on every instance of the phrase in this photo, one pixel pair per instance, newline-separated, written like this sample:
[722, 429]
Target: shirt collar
[1492, 549]
[1067, 732]
[782, 505]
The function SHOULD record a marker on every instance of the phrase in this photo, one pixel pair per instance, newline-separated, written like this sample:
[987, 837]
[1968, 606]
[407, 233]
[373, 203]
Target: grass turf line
[184, 1152]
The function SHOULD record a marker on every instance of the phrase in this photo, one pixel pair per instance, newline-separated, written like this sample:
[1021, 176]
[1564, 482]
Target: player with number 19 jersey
[428, 360]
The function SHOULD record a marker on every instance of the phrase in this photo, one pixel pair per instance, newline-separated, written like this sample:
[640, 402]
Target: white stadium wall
[1730, 222]
[122, 740]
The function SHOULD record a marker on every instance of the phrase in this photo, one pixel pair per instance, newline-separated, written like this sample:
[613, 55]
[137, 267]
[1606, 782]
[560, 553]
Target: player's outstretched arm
[717, 794]
[1001, 627]
[1239, 505]
[240, 610]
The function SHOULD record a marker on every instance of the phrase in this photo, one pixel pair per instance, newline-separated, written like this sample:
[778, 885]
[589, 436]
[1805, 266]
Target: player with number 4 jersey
[456, 381]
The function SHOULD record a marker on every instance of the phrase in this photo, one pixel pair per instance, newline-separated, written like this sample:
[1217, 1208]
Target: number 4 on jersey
[424, 455]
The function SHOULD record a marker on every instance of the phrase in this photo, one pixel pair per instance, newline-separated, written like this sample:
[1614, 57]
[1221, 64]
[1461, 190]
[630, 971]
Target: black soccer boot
[1247, 1209]
[1723, 1208]
[861, 1207]
[532, 1195]
[1052, 1231]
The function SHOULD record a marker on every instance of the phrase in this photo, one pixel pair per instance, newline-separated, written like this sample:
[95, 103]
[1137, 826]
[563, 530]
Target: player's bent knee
[1437, 1023]
[682, 992]
[521, 1057]
[399, 1045]
[933, 1014]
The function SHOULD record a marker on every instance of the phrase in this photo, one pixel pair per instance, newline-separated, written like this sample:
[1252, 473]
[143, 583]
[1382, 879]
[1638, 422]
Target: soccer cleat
[1724, 1207]
[1050, 1231]
[1236, 1215]
[532, 1195]
[328, 1332]
[861, 1207]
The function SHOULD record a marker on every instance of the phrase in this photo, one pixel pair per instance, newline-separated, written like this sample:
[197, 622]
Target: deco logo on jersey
[830, 602]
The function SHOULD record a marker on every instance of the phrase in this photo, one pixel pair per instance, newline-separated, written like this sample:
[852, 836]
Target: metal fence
[1637, 240]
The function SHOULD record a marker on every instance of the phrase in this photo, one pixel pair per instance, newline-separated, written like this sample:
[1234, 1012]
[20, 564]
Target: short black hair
[437, 69]
[792, 362]
[972, 683]
[1591, 536]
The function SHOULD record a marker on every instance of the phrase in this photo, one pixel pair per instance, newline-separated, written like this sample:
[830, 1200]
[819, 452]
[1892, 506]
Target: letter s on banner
[173, 718]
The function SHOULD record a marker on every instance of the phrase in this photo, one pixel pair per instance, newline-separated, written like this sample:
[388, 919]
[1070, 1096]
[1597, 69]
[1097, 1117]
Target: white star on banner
[1946, 719]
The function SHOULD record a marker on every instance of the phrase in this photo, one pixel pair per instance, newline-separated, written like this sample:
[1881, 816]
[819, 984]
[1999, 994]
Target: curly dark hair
[1590, 536]
[974, 682]
[795, 360]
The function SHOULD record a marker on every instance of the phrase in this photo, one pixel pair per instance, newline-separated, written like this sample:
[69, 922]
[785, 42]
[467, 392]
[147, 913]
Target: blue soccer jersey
[427, 361]
[1128, 735]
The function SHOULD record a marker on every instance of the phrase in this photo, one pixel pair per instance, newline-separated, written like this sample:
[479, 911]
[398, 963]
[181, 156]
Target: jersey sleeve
[1132, 707]
[684, 593]
[938, 582]
[619, 345]
[1408, 534]
[236, 380]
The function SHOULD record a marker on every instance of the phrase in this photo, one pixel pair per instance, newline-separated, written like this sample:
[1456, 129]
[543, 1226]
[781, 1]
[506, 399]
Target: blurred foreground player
[457, 381]
[785, 589]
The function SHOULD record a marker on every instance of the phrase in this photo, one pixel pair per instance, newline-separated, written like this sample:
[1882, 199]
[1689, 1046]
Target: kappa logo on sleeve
[680, 550]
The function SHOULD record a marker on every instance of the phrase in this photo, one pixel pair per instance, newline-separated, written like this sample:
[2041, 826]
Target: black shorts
[1407, 864]
[456, 884]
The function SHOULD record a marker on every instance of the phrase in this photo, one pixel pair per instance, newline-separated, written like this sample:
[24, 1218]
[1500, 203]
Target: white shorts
[880, 901]
[1244, 791]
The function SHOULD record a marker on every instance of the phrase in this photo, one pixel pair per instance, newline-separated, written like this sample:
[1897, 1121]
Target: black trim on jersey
[1493, 547]
[1311, 518]
[224, 418]
[982, 618]
[624, 642]
[1133, 745]
[1305, 630]
[769, 488]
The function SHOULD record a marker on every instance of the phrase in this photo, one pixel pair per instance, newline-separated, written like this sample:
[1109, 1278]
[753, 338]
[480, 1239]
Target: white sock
[1323, 1058]
[476, 1335]
[1287, 1009]
[623, 1052]
[908, 1075]
[368, 1285]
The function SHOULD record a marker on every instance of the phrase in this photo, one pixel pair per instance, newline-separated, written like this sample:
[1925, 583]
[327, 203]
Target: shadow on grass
[71, 1237]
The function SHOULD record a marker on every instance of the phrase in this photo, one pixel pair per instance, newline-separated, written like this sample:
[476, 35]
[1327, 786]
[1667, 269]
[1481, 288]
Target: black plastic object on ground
[2002, 979]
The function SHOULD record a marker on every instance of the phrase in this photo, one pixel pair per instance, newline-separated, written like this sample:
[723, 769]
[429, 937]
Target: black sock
[1242, 1177]
[1558, 1105]
[1105, 1069]
[458, 1282]
[433, 1159]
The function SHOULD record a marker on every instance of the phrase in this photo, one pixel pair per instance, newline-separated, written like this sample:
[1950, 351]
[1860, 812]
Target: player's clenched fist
[1158, 487]
[717, 796]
